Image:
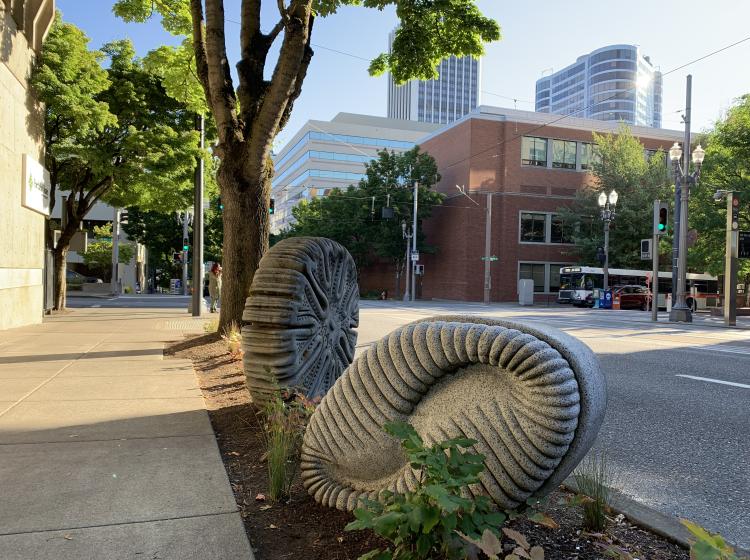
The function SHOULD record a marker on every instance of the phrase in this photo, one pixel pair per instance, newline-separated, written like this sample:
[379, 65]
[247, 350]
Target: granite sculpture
[533, 398]
[300, 318]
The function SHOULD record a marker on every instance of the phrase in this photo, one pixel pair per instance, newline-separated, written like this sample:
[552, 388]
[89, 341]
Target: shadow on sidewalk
[79, 356]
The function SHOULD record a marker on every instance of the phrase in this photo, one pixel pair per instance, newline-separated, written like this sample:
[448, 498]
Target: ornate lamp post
[683, 181]
[607, 205]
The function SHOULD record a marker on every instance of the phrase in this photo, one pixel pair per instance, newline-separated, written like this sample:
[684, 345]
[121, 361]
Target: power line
[615, 96]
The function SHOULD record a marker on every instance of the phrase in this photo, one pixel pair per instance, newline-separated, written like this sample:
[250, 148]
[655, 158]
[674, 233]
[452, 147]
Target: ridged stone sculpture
[533, 398]
[300, 317]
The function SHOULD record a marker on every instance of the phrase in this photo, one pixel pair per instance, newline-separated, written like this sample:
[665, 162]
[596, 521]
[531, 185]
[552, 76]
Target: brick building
[526, 165]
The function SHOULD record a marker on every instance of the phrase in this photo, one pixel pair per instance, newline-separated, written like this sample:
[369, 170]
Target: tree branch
[223, 100]
[199, 47]
[288, 75]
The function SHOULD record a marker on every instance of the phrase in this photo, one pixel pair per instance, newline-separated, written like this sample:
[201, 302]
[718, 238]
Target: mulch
[302, 529]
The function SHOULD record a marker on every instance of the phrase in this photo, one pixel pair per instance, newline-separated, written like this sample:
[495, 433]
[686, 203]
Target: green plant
[127, 289]
[286, 415]
[707, 546]
[594, 477]
[233, 337]
[439, 516]
[211, 326]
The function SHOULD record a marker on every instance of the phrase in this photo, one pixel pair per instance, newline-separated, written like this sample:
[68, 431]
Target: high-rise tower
[614, 83]
[450, 96]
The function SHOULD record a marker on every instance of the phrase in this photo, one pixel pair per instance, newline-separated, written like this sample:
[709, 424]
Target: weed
[285, 418]
[233, 337]
[211, 326]
[440, 518]
[594, 478]
[707, 546]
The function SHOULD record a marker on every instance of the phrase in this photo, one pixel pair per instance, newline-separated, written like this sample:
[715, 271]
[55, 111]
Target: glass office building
[614, 83]
[325, 155]
[450, 96]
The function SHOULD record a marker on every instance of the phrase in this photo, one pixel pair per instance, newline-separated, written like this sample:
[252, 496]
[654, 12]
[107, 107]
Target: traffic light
[661, 218]
[735, 212]
[220, 204]
[272, 206]
[185, 244]
[177, 257]
[124, 216]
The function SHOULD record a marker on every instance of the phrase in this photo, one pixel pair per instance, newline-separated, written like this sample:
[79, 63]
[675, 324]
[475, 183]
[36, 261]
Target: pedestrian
[214, 285]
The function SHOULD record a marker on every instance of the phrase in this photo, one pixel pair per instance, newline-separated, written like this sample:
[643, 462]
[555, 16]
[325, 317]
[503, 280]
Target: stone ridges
[301, 314]
[510, 389]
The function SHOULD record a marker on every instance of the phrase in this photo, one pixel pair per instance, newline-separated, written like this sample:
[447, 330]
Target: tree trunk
[246, 228]
[60, 255]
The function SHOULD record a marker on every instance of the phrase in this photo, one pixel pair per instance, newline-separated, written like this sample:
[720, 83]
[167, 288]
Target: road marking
[715, 381]
[96, 306]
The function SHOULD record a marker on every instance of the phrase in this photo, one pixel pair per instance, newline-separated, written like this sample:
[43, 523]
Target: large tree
[354, 217]
[248, 117]
[620, 163]
[726, 167]
[111, 134]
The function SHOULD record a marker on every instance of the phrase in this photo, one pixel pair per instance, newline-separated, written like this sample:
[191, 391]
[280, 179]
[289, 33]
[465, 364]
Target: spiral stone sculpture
[300, 317]
[533, 398]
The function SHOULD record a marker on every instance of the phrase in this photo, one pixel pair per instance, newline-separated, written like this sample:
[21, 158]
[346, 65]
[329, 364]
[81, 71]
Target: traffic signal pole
[730, 261]
[655, 263]
[115, 252]
[414, 244]
[184, 254]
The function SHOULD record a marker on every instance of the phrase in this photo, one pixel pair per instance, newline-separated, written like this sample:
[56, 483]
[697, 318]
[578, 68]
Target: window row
[566, 154]
[326, 174]
[344, 139]
[546, 276]
[544, 227]
[335, 156]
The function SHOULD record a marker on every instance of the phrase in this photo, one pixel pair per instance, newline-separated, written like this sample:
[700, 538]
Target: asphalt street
[677, 428]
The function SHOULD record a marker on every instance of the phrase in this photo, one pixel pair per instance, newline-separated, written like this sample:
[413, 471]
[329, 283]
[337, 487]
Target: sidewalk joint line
[137, 438]
[77, 528]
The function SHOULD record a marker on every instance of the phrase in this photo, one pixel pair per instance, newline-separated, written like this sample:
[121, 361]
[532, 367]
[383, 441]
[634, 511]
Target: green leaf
[430, 518]
[386, 524]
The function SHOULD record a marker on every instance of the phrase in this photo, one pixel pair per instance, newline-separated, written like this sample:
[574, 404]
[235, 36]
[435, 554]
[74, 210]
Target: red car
[633, 297]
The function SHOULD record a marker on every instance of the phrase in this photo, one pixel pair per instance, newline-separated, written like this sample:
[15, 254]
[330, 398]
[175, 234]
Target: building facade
[24, 183]
[525, 169]
[326, 155]
[450, 96]
[614, 83]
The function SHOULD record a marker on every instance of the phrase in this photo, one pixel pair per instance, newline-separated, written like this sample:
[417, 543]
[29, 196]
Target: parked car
[76, 278]
[632, 297]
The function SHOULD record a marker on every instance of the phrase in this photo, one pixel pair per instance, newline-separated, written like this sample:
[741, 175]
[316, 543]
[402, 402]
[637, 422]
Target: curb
[659, 523]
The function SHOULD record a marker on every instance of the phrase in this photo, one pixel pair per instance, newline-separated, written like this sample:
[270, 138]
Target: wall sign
[36, 186]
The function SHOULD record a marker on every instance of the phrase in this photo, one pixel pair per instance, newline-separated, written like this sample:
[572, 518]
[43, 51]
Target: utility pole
[414, 243]
[197, 298]
[115, 252]
[684, 180]
[487, 249]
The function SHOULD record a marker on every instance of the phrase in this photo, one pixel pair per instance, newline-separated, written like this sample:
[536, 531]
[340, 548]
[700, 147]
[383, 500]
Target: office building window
[560, 232]
[535, 272]
[533, 227]
[563, 154]
[534, 151]
[589, 155]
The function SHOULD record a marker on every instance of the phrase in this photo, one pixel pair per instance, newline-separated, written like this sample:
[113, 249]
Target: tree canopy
[354, 217]
[726, 167]
[248, 116]
[98, 255]
[113, 134]
[620, 164]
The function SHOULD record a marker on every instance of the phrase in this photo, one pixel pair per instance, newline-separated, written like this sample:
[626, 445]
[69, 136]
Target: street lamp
[684, 179]
[607, 205]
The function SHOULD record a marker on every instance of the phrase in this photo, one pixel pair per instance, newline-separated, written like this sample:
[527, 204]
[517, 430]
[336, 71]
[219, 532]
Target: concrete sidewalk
[106, 450]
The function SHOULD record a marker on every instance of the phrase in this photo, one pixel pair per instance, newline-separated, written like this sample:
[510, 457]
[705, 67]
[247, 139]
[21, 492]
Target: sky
[536, 38]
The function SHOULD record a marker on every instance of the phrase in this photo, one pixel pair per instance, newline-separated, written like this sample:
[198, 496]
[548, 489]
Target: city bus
[577, 284]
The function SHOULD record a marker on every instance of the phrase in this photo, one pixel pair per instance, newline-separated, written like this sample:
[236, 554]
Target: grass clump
[233, 338]
[211, 326]
[285, 417]
[594, 477]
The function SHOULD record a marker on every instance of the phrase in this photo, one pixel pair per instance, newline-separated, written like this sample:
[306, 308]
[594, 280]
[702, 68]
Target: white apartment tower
[450, 96]
[613, 83]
